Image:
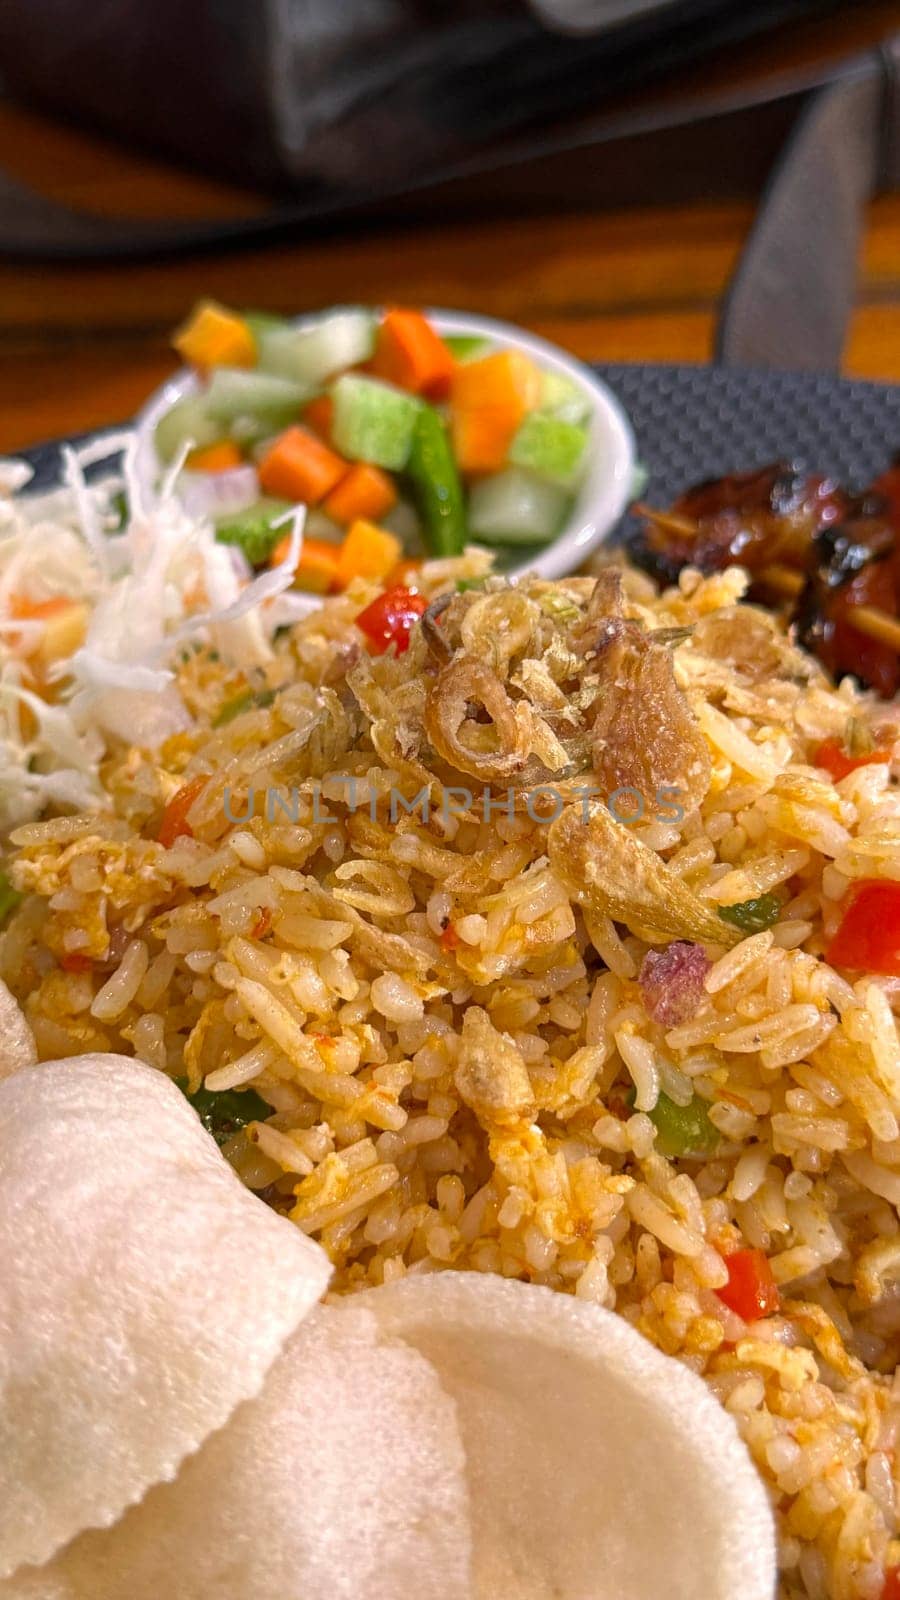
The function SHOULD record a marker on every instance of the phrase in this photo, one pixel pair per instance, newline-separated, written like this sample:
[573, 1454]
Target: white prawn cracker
[144, 1294]
[17, 1047]
[343, 1478]
[598, 1469]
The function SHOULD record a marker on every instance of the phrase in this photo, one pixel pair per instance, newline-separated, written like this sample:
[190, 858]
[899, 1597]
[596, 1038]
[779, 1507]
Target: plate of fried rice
[548, 944]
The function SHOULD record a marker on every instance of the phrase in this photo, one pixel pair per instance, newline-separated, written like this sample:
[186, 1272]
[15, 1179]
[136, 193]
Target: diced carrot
[489, 398]
[318, 569]
[506, 380]
[450, 939]
[262, 924]
[219, 457]
[368, 552]
[319, 415]
[215, 337]
[481, 439]
[24, 610]
[298, 466]
[411, 354]
[365, 492]
[174, 824]
[64, 633]
[65, 625]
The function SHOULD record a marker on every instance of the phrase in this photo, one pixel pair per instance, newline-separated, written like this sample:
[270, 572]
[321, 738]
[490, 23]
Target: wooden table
[81, 345]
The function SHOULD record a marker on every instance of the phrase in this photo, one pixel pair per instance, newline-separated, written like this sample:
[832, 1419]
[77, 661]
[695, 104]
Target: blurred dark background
[338, 107]
[591, 168]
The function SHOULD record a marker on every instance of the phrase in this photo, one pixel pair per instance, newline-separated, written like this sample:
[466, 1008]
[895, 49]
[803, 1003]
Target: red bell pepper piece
[834, 759]
[891, 1587]
[389, 619]
[868, 937]
[751, 1290]
[174, 824]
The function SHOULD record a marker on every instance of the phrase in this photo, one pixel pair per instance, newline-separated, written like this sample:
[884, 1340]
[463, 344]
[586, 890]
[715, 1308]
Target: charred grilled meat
[750, 519]
[801, 536]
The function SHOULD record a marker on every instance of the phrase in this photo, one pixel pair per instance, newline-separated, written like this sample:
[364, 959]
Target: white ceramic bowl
[600, 500]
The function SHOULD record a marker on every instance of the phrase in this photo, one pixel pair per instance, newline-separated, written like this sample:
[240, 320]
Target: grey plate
[700, 422]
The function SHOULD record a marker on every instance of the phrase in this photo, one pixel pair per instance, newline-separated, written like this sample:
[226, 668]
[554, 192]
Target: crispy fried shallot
[644, 734]
[437, 642]
[748, 639]
[604, 605]
[612, 874]
[498, 626]
[488, 750]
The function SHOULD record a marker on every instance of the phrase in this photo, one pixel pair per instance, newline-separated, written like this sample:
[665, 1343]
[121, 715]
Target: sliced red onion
[218, 494]
[240, 566]
[672, 981]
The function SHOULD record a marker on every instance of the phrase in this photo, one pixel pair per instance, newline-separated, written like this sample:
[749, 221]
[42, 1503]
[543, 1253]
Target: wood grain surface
[81, 345]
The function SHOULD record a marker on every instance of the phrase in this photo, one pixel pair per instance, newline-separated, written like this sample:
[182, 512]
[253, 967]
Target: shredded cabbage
[147, 586]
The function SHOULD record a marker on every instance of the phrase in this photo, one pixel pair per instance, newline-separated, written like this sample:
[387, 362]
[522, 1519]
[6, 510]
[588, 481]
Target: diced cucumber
[187, 421]
[315, 354]
[253, 434]
[466, 346]
[276, 351]
[552, 449]
[373, 421]
[252, 530]
[318, 526]
[260, 322]
[225, 1112]
[515, 507]
[234, 392]
[683, 1130]
[563, 398]
[264, 441]
[403, 520]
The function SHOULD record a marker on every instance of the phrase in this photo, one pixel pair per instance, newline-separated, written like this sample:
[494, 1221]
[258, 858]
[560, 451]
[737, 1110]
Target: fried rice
[461, 1015]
